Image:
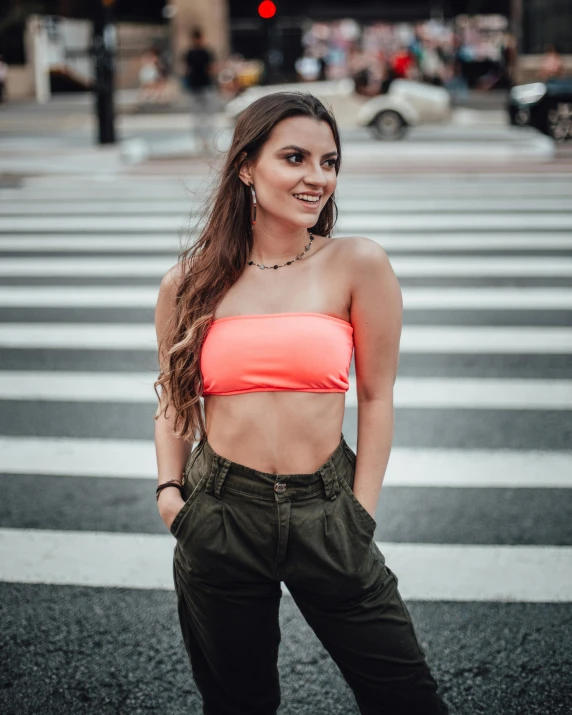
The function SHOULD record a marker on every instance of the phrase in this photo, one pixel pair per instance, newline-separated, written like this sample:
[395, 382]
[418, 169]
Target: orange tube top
[301, 352]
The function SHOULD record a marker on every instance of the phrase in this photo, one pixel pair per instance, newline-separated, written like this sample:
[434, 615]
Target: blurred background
[486, 44]
[456, 118]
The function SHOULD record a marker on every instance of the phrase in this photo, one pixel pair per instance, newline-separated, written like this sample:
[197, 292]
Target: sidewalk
[60, 138]
[73, 111]
[127, 102]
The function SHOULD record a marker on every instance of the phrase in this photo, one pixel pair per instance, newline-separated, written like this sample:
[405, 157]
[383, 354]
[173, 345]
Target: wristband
[171, 483]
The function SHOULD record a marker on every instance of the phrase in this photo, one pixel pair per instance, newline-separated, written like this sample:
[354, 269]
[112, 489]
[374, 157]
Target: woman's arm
[172, 452]
[376, 316]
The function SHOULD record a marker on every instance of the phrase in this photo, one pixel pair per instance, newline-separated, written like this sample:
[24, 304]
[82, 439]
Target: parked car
[388, 116]
[547, 106]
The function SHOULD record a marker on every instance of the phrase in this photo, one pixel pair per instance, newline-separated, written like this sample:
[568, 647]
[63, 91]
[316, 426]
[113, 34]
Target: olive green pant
[239, 534]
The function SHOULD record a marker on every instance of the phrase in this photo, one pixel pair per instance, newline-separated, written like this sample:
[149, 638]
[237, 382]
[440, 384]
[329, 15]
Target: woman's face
[295, 173]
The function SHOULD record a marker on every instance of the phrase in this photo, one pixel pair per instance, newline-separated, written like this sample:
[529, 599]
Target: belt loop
[330, 479]
[212, 474]
[219, 470]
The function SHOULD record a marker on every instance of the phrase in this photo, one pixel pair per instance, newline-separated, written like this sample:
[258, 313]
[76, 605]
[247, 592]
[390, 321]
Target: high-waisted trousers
[242, 532]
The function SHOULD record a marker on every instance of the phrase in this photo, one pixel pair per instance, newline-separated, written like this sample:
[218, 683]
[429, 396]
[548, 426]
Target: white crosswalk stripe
[413, 392]
[403, 242]
[135, 459]
[404, 267]
[418, 298]
[355, 224]
[488, 185]
[143, 561]
[86, 207]
[503, 243]
[415, 339]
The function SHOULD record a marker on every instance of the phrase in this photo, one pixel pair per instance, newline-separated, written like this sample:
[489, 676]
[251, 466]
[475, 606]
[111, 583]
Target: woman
[275, 493]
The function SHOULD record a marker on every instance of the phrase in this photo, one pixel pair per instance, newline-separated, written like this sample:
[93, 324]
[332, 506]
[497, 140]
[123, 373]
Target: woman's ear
[244, 171]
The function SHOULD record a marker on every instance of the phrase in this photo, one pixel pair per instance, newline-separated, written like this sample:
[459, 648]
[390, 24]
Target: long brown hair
[211, 265]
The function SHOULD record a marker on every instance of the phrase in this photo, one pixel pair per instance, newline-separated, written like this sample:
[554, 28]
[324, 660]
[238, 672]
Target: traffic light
[267, 9]
[272, 54]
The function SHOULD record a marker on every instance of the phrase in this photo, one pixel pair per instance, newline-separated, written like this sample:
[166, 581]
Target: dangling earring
[253, 209]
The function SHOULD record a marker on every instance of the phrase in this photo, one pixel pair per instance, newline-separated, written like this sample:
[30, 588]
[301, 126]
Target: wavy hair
[211, 265]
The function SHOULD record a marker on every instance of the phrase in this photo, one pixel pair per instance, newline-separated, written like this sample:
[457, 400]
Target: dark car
[547, 106]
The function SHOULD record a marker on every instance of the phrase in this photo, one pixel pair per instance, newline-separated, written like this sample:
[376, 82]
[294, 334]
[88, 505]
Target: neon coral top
[302, 352]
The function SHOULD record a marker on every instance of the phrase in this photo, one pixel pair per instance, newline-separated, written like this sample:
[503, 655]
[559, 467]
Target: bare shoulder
[173, 277]
[167, 296]
[359, 252]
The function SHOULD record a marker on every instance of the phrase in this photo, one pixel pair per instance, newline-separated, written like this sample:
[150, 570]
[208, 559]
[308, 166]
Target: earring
[253, 210]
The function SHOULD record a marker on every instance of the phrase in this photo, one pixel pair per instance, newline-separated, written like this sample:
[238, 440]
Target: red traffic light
[267, 9]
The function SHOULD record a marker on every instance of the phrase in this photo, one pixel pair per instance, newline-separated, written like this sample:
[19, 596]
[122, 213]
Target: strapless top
[300, 352]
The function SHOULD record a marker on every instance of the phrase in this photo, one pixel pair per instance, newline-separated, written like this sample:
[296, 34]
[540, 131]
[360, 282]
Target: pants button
[279, 487]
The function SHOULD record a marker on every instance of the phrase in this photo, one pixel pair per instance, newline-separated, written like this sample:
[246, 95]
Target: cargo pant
[239, 534]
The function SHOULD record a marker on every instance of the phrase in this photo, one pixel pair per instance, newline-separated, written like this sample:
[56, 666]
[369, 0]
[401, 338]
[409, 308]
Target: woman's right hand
[170, 502]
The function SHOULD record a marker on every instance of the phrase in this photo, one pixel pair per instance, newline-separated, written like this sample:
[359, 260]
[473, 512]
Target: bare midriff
[275, 432]
[283, 432]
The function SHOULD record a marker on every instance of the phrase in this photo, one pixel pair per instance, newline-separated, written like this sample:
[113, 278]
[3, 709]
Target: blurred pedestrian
[552, 66]
[431, 64]
[456, 82]
[508, 60]
[153, 75]
[3, 78]
[403, 64]
[358, 68]
[199, 81]
[321, 51]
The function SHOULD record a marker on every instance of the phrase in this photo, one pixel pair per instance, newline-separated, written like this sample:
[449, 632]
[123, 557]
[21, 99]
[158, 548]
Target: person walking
[199, 74]
[259, 319]
[152, 79]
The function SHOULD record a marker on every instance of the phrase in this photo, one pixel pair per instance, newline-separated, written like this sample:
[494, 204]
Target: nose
[316, 176]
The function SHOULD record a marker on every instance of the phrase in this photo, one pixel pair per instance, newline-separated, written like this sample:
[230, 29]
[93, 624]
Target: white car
[388, 116]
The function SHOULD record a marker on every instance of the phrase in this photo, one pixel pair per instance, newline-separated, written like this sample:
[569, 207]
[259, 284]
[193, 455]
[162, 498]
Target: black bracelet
[170, 483]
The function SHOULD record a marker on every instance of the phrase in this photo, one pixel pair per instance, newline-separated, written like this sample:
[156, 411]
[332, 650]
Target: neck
[273, 247]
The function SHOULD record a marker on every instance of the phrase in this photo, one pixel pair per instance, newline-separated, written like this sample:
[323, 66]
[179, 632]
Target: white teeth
[305, 197]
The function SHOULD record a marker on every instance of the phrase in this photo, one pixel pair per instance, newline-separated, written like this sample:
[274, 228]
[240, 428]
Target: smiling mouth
[309, 202]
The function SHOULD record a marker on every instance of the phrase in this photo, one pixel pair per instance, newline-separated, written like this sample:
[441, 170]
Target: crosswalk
[475, 503]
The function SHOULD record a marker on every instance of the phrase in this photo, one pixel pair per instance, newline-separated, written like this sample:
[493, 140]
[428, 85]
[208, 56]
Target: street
[474, 513]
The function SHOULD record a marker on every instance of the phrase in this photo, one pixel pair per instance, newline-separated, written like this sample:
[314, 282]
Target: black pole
[103, 51]
[272, 51]
[266, 50]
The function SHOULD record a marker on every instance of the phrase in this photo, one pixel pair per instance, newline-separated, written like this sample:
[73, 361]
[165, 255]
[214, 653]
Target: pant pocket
[194, 481]
[347, 481]
[361, 512]
[184, 511]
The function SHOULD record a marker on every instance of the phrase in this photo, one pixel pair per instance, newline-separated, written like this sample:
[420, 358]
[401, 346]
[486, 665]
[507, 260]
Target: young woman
[261, 316]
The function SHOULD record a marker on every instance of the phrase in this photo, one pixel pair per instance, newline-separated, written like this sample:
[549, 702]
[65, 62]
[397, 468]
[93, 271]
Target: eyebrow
[305, 152]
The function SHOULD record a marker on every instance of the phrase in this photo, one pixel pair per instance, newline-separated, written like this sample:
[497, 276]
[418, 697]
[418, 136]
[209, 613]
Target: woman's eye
[330, 162]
